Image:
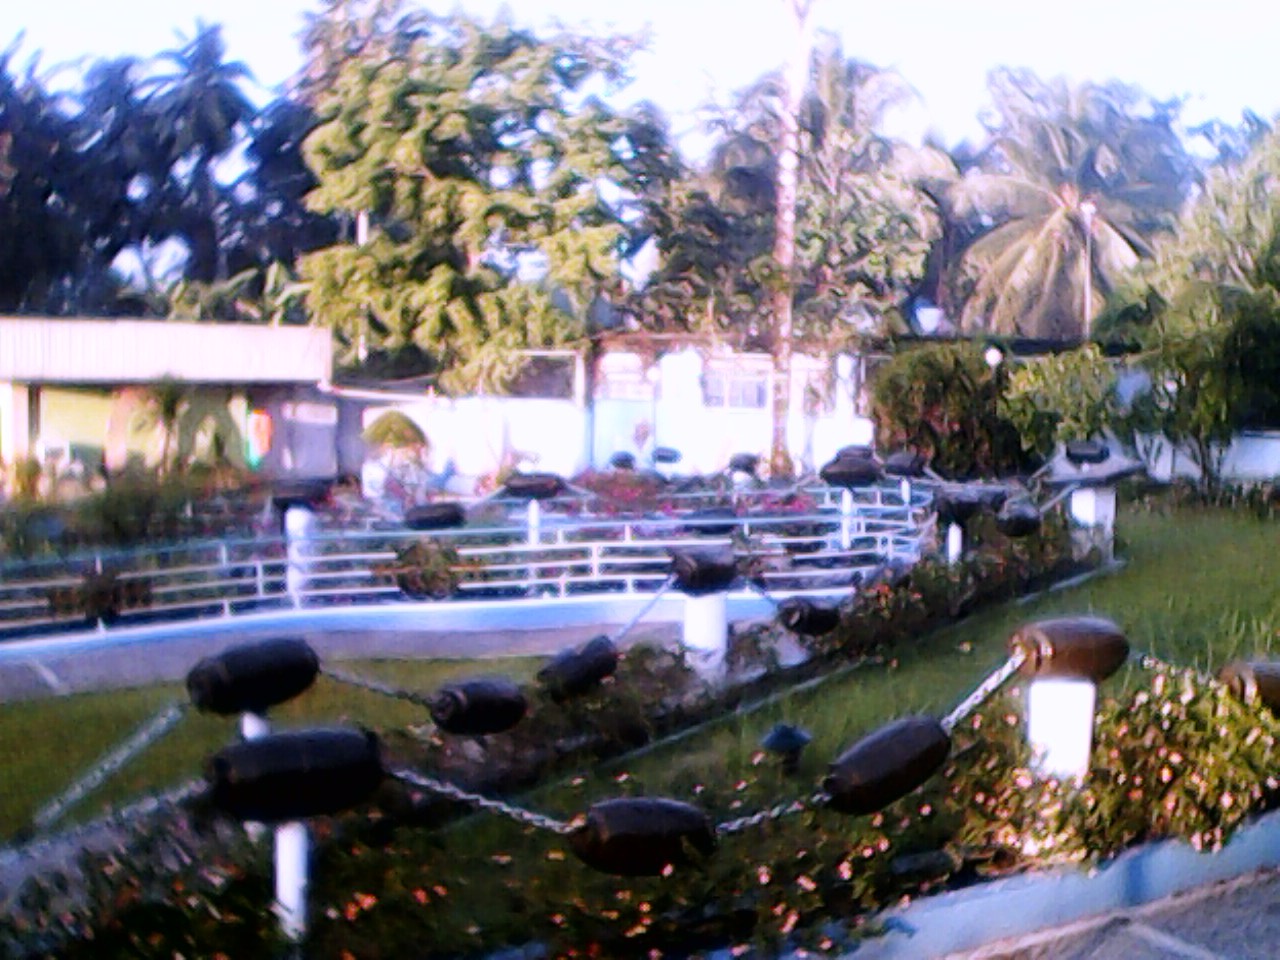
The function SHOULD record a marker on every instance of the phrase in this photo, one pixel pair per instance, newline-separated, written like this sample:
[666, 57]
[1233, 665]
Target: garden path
[128, 665]
[1235, 920]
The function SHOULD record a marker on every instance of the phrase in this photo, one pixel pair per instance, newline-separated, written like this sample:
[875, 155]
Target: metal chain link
[983, 692]
[139, 740]
[644, 611]
[453, 792]
[770, 814]
[377, 686]
[760, 589]
[138, 809]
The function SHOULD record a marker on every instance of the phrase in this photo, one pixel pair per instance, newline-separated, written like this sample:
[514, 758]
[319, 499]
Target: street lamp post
[1087, 210]
[994, 356]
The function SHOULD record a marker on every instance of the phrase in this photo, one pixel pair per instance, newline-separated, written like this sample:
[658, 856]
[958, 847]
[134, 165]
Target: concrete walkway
[1235, 920]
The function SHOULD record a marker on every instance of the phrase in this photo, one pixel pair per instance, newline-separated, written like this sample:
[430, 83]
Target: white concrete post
[1094, 509]
[292, 856]
[955, 543]
[254, 726]
[534, 519]
[292, 852]
[706, 632]
[904, 489]
[299, 527]
[846, 519]
[1060, 726]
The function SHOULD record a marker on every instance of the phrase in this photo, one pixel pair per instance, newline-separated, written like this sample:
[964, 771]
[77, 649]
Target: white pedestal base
[299, 528]
[955, 543]
[293, 850]
[706, 633]
[1060, 726]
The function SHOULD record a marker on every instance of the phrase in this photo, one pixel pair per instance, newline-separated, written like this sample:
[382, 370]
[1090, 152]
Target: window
[736, 389]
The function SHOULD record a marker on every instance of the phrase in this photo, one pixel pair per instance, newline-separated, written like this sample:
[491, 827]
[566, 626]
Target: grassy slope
[44, 744]
[1198, 589]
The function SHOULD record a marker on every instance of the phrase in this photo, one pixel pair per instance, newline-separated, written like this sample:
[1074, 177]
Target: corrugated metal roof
[48, 350]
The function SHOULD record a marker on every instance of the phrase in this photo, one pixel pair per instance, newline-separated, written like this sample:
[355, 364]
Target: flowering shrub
[1179, 757]
[1182, 757]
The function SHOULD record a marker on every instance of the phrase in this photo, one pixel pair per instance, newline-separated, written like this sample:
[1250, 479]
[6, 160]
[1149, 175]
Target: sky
[1217, 53]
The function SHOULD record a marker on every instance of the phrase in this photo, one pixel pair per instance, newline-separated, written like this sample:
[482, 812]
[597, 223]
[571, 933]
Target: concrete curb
[1014, 907]
[461, 616]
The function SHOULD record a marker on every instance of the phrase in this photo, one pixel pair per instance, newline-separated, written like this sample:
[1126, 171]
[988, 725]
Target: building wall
[637, 407]
[1253, 456]
[94, 425]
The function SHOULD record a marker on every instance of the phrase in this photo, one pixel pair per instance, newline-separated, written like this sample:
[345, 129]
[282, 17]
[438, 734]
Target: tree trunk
[784, 238]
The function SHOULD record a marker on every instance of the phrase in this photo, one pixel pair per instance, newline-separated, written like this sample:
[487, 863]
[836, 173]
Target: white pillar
[534, 519]
[292, 854]
[1094, 509]
[904, 488]
[254, 726]
[1060, 726]
[299, 527]
[706, 633]
[955, 543]
[846, 519]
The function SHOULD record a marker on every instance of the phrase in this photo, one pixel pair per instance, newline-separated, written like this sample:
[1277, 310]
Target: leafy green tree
[268, 222]
[165, 401]
[474, 150]
[943, 400]
[1211, 311]
[1075, 182]
[864, 225]
[1061, 397]
[1228, 240]
[202, 109]
[46, 197]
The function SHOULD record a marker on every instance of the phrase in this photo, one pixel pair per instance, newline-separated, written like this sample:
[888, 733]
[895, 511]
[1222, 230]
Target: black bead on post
[252, 677]
[573, 672]
[886, 765]
[807, 618]
[294, 775]
[642, 836]
[848, 472]
[1079, 648]
[435, 516]
[699, 572]
[476, 707]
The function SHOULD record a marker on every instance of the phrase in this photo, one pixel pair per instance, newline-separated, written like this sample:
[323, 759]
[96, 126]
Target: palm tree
[864, 225]
[1073, 184]
[784, 237]
[165, 401]
[202, 109]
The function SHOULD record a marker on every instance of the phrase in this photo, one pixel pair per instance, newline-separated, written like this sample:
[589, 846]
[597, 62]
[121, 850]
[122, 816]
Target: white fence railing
[824, 547]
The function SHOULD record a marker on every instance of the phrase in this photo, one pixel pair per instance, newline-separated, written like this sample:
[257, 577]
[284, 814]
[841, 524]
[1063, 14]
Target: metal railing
[569, 555]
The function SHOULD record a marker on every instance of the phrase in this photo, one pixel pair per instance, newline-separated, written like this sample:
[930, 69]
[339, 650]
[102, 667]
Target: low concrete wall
[1253, 456]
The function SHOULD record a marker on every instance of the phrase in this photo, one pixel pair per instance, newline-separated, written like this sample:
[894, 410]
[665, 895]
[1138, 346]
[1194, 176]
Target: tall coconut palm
[864, 225]
[1075, 182]
[784, 237]
[203, 109]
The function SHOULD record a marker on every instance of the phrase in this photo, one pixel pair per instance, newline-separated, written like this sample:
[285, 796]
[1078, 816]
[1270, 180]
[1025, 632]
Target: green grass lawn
[45, 744]
[1198, 589]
